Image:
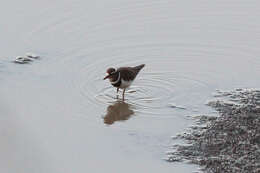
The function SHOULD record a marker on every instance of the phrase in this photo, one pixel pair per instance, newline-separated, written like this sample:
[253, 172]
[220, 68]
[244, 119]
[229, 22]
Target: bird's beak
[107, 77]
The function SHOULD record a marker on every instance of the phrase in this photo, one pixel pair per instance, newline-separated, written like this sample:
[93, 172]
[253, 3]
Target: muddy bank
[229, 142]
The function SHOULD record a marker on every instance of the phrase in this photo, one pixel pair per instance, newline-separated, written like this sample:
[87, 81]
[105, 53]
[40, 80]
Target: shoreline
[229, 142]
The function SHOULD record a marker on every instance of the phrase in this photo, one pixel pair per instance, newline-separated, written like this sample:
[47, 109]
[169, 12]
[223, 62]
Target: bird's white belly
[125, 84]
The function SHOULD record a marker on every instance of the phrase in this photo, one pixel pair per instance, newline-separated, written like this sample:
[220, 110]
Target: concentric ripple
[151, 94]
[184, 54]
[162, 87]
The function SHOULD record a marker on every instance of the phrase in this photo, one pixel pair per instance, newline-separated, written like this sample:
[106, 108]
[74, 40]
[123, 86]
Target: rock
[22, 60]
[33, 56]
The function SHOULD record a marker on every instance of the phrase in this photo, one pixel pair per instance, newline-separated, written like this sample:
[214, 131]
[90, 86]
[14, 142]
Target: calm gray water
[58, 115]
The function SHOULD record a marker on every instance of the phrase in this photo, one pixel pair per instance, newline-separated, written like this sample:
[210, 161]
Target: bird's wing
[127, 73]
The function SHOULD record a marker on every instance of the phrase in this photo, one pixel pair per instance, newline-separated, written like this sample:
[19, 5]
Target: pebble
[26, 59]
[33, 56]
[22, 60]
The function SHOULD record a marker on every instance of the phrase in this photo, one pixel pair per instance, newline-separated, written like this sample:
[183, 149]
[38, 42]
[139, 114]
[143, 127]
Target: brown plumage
[129, 73]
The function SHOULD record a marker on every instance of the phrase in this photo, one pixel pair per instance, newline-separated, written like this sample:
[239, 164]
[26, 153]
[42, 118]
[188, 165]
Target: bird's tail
[139, 67]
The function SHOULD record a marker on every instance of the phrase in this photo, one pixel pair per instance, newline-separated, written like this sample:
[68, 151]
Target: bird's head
[110, 73]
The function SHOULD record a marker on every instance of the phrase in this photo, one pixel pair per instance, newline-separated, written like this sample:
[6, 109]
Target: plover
[123, 77]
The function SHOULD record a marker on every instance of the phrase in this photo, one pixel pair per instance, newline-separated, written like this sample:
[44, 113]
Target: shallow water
[58, 115]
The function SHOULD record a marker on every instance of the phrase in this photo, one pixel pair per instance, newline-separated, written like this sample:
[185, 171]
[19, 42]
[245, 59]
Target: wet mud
[229, 142]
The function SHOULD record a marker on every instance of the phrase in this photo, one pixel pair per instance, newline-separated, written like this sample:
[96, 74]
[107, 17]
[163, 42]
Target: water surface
[58, 115]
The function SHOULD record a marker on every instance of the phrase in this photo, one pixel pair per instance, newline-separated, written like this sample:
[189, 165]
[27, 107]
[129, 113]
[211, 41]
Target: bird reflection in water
[118, 111]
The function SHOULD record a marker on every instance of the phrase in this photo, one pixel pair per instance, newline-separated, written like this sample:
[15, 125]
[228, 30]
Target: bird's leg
[123, 94]
[117, 93]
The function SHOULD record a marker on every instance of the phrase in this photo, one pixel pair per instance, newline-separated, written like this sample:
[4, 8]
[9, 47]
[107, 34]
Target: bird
[123, 77]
